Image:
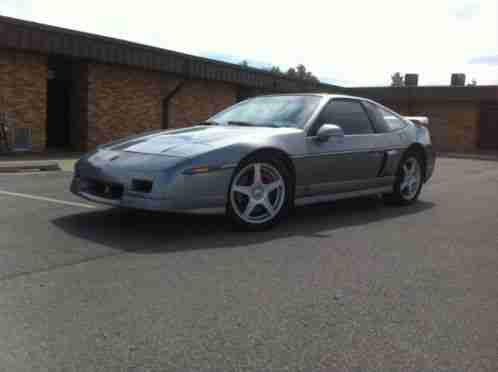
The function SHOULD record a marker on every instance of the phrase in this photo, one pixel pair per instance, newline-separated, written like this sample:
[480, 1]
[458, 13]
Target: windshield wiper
[208, 122]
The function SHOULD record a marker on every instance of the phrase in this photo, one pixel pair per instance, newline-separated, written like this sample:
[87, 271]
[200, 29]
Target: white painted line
[42, 198]
[30, 173]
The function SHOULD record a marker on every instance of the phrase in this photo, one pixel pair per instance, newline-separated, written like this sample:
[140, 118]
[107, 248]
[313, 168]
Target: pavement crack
[56, 267]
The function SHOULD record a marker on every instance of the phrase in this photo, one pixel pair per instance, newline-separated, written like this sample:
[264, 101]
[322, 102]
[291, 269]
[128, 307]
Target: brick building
[69, 90]
[463, 118]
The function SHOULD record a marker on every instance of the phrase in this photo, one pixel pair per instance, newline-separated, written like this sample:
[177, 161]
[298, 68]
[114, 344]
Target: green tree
[244, 63]
[472, 83]
[397, 80]
[275, 70]
[300, 72]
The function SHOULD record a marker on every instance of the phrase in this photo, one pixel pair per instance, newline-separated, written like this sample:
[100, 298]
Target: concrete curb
[470, 156]
[28, 166]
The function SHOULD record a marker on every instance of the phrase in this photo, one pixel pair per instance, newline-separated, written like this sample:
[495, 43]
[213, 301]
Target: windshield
[277, 111]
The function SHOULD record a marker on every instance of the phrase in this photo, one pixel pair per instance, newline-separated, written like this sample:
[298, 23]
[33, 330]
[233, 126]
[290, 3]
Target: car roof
[323, 95]
[327, 96]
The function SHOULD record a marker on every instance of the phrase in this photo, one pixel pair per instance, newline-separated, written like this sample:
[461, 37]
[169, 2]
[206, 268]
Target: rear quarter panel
[419, 134]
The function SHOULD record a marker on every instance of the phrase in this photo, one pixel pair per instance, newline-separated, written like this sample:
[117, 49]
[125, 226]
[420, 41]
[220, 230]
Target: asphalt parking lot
[346, 286]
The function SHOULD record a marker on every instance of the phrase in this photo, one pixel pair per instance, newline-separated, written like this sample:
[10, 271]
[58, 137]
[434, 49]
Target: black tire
[286, 203]
[399, 196]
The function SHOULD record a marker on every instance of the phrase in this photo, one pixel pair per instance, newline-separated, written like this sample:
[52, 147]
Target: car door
[391, 136]
[347, 163]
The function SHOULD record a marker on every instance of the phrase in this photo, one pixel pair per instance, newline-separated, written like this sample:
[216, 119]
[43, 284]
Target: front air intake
[144, 186]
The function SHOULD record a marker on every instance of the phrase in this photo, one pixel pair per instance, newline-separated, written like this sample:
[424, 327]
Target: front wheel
[259, 195]
[409, 181]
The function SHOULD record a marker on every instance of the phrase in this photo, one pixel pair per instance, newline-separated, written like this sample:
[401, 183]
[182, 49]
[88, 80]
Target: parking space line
[34, 173]
[51, 200]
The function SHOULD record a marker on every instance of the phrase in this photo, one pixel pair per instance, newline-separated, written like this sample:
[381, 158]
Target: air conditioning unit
[22, 140]
[411, 80]
[457, 80]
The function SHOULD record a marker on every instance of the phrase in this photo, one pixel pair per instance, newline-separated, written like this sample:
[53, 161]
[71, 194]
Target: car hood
[192, 141]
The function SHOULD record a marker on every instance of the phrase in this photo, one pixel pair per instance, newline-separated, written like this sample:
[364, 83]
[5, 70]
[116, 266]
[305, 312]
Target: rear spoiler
[420, 120]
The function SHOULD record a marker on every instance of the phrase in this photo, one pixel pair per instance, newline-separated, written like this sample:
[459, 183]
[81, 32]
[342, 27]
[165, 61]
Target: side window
[391, 120]
[377, 117]
[348, 114]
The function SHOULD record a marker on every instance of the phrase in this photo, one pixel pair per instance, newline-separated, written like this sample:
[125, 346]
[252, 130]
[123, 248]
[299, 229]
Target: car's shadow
[164, 232]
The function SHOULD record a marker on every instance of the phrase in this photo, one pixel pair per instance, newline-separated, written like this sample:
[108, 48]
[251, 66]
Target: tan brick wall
[454, 125]
[23, 92]
[123, 101]
[120, 101]
[198, 100]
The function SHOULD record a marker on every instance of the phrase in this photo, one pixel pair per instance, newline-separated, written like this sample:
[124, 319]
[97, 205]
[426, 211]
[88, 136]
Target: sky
[346, 42]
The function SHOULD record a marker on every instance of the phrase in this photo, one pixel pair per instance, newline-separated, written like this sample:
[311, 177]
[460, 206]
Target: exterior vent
[411, 80]
[22, 139]
[458, 80]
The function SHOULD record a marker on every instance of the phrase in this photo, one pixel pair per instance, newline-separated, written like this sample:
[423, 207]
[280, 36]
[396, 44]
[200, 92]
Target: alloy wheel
[258, 193]
[412, 178]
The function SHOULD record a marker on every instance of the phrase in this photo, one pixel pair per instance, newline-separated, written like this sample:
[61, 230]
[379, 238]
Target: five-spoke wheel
[409, 180]
[412, 178]
[259, 193]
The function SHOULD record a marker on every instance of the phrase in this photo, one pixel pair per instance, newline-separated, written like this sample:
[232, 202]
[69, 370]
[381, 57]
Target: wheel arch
[419, 149]
[273, 152]
[259, 155]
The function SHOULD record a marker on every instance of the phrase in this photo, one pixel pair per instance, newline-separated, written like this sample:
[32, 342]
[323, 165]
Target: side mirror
[327, 131]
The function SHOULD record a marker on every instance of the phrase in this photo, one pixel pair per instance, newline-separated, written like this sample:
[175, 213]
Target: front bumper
[156, 183]
[126, 200]
[196, 193]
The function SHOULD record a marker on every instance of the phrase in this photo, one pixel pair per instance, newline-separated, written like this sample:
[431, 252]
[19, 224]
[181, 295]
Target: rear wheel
[259, 194]
[409, 181]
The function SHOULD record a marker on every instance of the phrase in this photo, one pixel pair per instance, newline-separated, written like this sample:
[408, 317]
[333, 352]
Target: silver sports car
[257, 159]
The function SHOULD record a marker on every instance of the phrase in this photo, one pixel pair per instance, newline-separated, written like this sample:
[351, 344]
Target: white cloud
[359, 42]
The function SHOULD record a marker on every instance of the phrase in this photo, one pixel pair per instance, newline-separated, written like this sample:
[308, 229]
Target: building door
[58, 114]
[488, 136]
[59, 94]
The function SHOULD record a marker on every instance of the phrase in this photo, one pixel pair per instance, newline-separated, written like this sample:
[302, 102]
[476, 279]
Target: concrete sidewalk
[481, 155]
[31, 162]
